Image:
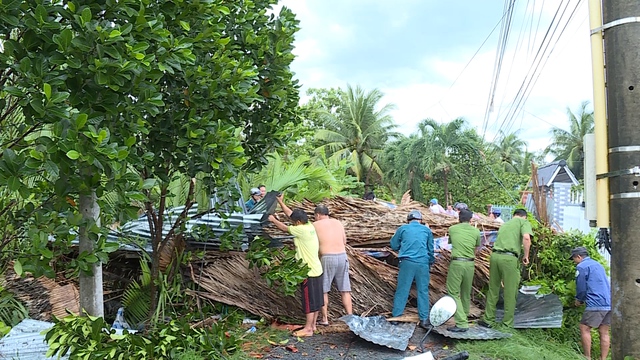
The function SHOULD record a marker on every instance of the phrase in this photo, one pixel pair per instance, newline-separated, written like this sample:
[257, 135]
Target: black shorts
[312, 295]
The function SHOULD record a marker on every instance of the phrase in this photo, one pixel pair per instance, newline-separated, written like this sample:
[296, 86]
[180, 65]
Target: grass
[533, 344]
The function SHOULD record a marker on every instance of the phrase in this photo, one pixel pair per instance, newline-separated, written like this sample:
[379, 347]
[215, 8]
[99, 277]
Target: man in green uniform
[513, 235]
[464, 239]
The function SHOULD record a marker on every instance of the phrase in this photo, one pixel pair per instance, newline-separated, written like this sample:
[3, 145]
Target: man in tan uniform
[333, 257]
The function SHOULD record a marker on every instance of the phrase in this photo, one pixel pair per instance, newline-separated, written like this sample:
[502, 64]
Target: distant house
[556, 180]
[555, 173]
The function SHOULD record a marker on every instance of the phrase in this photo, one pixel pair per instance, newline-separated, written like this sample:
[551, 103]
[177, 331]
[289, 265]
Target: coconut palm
[510, 151]
[439, 142]
[404, 170]
[568, 145]
[359, 132]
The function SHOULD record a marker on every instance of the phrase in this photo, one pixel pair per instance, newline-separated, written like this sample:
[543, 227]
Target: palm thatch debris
[226, 278]
[371, 224]
[43, 297]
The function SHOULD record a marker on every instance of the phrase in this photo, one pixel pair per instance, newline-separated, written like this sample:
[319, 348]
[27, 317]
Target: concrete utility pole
[621, 20]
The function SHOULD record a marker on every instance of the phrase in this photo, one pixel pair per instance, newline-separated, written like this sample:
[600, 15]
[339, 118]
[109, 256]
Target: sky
[428, 58]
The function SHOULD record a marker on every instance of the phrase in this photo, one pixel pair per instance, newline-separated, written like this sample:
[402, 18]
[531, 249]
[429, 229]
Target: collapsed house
[225, 277]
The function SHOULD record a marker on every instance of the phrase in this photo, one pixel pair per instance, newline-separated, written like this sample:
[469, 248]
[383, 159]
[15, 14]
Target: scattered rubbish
[378, 330]
[459, 356]
[474, 333]
[530, 290]
[424, 356]
[251, 330]
[440, 313]
[120, 322]
[249, 322]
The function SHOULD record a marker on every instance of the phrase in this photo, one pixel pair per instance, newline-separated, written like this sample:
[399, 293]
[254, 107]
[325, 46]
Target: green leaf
[13, 183]
[71, 6]
[41, 13]
[224, 10]
[86, 15]
[185, 25]
[114, 33]
[17, 267]
[130, 141]
[47, 90]
[81, 120]
[73, 155]
[148, 183]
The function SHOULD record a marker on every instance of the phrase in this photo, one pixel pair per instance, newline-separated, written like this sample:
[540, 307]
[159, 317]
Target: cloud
[418, 60]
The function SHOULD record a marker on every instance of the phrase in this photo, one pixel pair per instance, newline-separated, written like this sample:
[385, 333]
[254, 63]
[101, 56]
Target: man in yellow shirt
[307, 249]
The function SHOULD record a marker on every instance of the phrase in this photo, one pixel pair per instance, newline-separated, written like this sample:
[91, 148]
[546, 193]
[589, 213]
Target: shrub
[88, 337]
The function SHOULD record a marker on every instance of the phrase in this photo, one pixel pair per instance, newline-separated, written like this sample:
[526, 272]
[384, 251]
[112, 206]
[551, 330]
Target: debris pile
[225, 277]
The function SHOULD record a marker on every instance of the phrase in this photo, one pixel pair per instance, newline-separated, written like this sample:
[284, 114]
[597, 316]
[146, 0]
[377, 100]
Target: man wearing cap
[435, 207]
[495, 215]
[513, 236]
[594, 290]
[333, 256]
[256, 195]
[464, 239]
[414, 243]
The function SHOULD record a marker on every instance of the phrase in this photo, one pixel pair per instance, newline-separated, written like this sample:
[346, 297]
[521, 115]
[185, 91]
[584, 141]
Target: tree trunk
[91, 293]
[445, 184]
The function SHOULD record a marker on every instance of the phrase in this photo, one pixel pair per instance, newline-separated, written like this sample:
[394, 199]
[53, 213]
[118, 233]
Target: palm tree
[568, 145]
[404, 169]
[510, 150]
[359, 132]
[439, 141]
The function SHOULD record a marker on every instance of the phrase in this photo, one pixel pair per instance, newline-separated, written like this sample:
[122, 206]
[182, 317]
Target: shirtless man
[333, 257]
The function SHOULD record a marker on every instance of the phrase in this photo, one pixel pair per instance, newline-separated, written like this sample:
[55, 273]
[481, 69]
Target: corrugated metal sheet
[535, 311]
[25, 341]
[378, 330]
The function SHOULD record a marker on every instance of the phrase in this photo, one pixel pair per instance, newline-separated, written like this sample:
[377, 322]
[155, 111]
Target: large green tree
[439, 143]
[568, 145]
[358, 128]
[132, 96]
[510, 151]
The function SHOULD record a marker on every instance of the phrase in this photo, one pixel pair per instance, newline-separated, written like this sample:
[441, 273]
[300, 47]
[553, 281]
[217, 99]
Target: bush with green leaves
[88, 337]
[278, 266]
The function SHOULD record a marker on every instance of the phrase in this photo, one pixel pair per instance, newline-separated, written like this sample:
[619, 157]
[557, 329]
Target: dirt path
[349, 346]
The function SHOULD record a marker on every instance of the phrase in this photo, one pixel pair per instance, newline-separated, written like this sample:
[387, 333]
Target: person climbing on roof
[255, 196]
[414, 243]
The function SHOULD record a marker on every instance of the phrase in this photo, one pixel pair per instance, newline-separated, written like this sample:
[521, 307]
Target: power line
[497, 67]
[468, 63]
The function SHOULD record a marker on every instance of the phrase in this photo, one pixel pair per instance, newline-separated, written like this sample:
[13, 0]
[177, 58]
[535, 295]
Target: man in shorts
[307, 247]
[333, 256]
[594, 290]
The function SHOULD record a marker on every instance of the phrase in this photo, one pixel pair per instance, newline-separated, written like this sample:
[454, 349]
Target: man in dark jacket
[414, 243]
[594, 290]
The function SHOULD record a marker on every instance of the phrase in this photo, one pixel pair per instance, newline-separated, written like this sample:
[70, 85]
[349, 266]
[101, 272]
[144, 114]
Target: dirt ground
[346, 345]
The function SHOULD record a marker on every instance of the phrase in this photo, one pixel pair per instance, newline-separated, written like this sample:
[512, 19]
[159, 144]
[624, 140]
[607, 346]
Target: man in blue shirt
[594, 290]
[414, 243]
